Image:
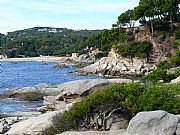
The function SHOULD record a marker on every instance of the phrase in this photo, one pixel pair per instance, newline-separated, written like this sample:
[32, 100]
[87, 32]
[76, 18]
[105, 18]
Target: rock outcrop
[9, 119]
[74, 91]
[35, 125]
[85, 58]
[34, 93]
[118, 67]
[60, 66]
[154, 123]
[115, 65]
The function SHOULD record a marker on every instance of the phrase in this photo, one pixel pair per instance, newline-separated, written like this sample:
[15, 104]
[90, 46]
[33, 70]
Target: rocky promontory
[115, 65]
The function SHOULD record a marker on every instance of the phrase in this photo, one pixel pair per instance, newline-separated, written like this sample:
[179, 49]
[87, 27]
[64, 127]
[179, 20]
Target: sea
[30, 73]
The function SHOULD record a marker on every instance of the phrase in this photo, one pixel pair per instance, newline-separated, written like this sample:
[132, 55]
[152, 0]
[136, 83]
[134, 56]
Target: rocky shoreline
[61, 97]
[56, 99]
[113, 65]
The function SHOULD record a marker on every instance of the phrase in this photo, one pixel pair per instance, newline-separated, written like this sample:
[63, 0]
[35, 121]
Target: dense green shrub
[175, 59]
[160, 97]
[100, 55]
[163, 65]
[175, 43]
[132, 98]
[99, 101]
[177, 34]
[162, 37]
[160, 74]
[134, 49]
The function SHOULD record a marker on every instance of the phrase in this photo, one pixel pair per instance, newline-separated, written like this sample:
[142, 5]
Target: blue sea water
[22, 74]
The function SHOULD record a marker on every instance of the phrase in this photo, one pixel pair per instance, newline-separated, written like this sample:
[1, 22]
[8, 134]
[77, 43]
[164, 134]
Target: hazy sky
[72, 14]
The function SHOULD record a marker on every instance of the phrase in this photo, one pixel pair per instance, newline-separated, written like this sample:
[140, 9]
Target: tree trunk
[171, 21]
[152, 28]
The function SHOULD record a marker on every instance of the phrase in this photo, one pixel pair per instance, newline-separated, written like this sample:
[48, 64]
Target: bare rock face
[74, 91]
[86, 58]
[81, 86]
[34, 93]
[35, 125]
[118, 67]
[153, 123]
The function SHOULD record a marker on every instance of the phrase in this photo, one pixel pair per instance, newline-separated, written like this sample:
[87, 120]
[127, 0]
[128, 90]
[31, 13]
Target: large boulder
[34, 93]
[79, 87]
[35, 125]
[153, 123]
[74, 91]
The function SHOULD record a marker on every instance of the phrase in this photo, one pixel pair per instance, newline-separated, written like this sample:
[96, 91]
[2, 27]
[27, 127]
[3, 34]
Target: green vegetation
[175, 59]
[125, 99]
[158, 18]
[177, 34]
[134, 49]
[48, 41]
[162, 73]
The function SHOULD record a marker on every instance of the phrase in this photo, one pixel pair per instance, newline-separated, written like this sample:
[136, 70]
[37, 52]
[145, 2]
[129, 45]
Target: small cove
[30, 73]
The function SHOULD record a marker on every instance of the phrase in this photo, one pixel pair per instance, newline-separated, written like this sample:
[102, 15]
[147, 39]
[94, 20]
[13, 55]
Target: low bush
[162, 37]
[160, 74]
[134, 49]
[177, 34]
[162, 71]
[160, 97]
[175, 43]
[130, 98]
[100, 55]
[175, 59]
[163, 65]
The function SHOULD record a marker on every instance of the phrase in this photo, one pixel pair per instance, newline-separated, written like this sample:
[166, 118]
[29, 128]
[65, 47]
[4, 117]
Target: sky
[71, 14]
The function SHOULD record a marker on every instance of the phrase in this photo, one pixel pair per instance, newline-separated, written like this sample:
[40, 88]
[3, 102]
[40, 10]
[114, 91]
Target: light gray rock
[52, 104]
[11, 121]
[120, 80]
[35, 125]
[118, 66]
[16, 115]
[153, 123]
[32, 93]
[117, 132]
[72, 92]
[177, 80]
[178, 129]
[81, 86]
[41, 86]
[1, 128]
[118, 123]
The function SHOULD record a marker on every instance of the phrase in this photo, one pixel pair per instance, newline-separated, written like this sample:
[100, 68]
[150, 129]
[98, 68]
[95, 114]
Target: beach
[42, 59]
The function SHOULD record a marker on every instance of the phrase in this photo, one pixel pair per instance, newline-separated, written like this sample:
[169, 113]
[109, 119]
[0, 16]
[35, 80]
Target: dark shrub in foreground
[130, 98]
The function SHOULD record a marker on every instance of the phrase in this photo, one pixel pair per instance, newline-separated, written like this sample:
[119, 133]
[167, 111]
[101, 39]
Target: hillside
[45, 41]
